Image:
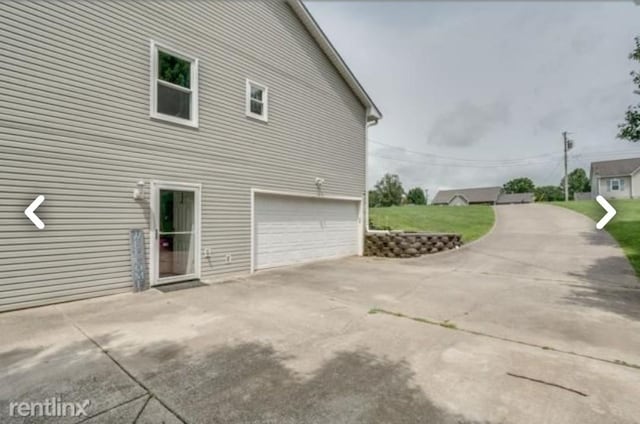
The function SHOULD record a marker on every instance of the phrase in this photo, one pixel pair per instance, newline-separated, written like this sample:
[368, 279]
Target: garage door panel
[292, 230]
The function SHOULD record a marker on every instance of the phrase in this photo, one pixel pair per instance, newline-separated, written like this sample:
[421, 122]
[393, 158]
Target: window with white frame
[616, 184]
[174, 86]
[257, 101]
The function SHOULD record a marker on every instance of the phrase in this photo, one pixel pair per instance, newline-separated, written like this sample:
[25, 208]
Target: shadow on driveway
[603, 291]
[244, 383]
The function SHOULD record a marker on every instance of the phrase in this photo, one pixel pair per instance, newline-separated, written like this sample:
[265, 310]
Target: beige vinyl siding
[617, 194]
[75, 127]
[634, 187]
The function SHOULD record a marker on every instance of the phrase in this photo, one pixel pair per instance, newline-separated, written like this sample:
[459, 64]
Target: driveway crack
[146, 402]
[535, 380]
[104, 411]
[452, 326]
[143, 386]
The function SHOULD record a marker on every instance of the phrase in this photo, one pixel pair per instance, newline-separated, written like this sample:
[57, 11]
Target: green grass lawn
[624, 227]
[471, 222]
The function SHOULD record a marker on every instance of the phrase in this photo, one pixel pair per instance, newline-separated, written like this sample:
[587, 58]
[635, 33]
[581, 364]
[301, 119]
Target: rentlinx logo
[52, 407]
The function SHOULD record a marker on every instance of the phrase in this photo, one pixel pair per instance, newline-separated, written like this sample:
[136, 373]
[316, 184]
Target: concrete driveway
[539, 322]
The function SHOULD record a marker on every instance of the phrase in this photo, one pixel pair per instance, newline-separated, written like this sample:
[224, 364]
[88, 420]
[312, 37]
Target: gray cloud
[485, 81]
[467, 124]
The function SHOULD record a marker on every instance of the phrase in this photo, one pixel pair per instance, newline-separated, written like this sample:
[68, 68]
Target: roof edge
[373, 113]
[458, 195]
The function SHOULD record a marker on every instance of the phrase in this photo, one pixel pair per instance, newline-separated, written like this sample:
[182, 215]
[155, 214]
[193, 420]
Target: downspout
[366, 192]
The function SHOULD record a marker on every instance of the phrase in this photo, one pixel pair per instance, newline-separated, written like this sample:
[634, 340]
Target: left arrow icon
[30, 212]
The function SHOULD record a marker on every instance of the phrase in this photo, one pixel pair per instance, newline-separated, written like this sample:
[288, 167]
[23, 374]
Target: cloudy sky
[476, 93]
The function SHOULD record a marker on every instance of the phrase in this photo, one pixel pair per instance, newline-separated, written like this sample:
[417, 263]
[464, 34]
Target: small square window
[257, 101]
[615, 185]
[174, 86]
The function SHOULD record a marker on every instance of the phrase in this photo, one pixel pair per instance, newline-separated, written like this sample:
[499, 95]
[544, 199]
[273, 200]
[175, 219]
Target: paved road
[539, 322]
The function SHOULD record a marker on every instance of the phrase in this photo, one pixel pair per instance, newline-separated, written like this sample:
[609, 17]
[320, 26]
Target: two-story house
[231, 133]
[616, 179]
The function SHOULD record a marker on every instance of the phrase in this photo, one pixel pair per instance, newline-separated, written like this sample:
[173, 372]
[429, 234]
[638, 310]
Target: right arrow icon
[611, 212]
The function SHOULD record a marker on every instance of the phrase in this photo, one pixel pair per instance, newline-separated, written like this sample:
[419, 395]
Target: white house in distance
[616, 179]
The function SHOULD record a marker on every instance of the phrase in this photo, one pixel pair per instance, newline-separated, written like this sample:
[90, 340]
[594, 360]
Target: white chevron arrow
[30, 212]
[611, 212]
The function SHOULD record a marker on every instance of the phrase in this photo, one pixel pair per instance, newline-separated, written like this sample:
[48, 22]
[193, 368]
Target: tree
[519, 185]
[389, 190]
[548, 193]
[630, 130]
[578, 182]
[374, 199]
[416, 196]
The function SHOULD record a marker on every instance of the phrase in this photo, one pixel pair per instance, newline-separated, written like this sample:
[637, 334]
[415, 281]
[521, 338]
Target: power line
[433, 155]
[551, 175]
[459, 165]
[489, 163]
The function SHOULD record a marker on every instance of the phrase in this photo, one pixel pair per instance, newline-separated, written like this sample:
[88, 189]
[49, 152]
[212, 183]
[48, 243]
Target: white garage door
[291, 229]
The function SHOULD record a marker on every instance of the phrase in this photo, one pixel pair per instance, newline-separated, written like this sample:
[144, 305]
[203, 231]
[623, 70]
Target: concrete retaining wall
[408, 245]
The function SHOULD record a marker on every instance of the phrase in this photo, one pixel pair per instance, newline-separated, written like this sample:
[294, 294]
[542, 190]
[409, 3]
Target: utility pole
[568, 145]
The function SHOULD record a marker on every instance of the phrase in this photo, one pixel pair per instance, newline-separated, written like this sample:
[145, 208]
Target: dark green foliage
[630, 130]
[389, 191]
[578, 182]
[374, 199]
[416, 196]
[519, 185]
[548, 193]
[174, 70]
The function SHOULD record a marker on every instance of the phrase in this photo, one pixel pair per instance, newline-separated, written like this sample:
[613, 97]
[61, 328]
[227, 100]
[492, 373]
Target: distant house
[480, 196]
[616, 179]
[468, 196]
[513, 198]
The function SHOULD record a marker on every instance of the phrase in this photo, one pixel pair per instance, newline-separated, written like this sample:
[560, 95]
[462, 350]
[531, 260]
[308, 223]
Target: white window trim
[155, 188]
[265, 101]
[611, 184]
[153, 80]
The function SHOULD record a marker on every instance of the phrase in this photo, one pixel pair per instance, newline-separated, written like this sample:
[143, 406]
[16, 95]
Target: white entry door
[291, 229]
[176, 236]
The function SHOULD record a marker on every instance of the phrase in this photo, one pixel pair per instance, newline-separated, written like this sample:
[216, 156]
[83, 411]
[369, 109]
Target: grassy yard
[470, 221]
[624, 227]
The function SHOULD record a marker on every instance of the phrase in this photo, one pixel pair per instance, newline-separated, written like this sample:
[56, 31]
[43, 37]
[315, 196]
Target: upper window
[257, 101]
[174, 86]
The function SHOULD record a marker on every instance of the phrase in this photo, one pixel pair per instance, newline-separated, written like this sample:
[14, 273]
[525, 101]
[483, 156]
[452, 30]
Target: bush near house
[472, 222]
[624, 227]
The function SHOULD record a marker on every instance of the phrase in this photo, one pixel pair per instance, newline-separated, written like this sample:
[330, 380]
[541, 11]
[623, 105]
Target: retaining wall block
[409, 245]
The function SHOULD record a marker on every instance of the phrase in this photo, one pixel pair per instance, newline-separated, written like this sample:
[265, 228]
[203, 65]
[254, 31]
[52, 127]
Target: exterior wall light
[138, 192]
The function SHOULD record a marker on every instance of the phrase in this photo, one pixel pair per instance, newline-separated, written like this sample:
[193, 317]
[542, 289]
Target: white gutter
[366, 192]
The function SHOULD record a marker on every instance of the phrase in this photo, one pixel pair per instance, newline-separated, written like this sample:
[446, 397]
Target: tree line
[578, 183]
[389, 190]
